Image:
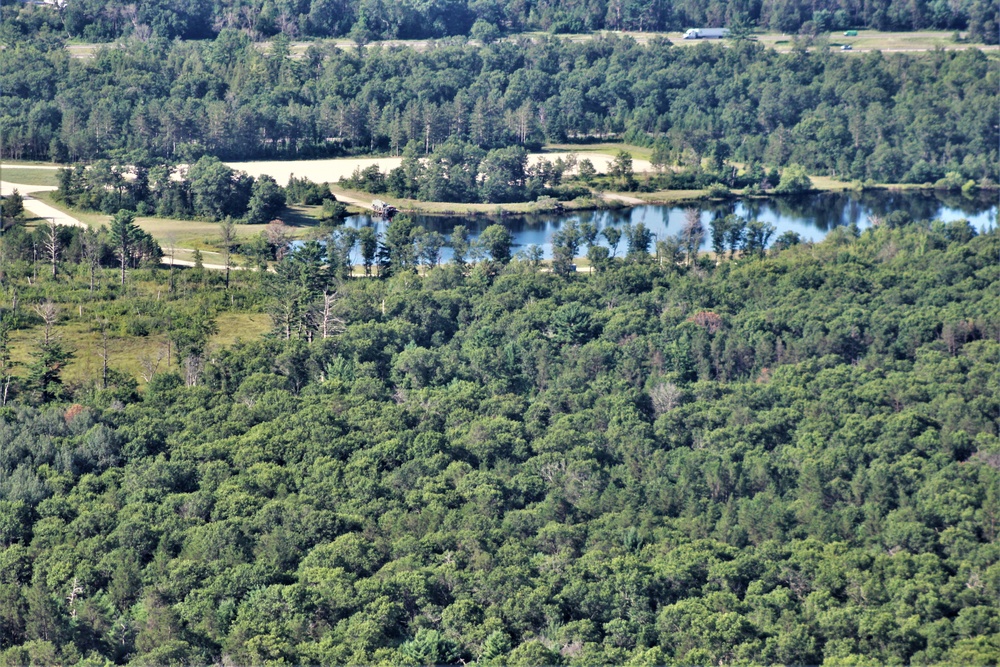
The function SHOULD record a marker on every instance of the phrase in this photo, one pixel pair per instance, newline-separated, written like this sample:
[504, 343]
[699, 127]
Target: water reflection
[811, 216]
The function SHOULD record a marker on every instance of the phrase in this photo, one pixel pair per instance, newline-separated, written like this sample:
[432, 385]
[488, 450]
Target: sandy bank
[331, 171]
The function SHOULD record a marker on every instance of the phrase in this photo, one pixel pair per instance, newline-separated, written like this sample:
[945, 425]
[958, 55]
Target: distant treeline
[407, 19]
[887, 118]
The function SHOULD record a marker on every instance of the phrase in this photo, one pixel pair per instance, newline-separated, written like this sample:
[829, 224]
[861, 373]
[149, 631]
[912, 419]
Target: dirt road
[631, 201]
[36, 207]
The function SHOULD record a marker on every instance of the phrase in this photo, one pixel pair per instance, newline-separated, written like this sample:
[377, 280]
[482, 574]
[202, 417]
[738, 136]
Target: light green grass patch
[126, 353]
[20, 176]
[234, 327]
[301, 221]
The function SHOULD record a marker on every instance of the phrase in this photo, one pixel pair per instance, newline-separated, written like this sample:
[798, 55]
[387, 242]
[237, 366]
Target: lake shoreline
[611, 201]
[807, 217]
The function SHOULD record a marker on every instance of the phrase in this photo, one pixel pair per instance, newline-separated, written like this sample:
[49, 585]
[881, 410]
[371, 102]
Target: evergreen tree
[123, 234]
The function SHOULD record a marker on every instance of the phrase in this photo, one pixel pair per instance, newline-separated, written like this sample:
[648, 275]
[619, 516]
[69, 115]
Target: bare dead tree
[92, 247]
[6, 364]
[250, 16]
[51, 243]
[50, 315]
[226, 19]
[115, 14]
[170, 241]
[124, 629]
[665, 396]
[329, 323]
[227, 239]
[287, 24]
[278, 236]
[149, 363]
[131, 13]
[692, 233]
[193, 365]
[3, 254]
[142, 32]
[75, 591]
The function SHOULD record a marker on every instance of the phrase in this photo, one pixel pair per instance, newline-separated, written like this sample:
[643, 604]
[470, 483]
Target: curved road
[39, 208]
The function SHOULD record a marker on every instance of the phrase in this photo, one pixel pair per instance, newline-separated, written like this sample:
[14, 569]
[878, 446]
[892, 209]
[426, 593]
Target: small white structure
[707, 33]
[383, 209]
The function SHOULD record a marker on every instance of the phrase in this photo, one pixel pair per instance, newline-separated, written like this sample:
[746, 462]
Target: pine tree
[123, 234]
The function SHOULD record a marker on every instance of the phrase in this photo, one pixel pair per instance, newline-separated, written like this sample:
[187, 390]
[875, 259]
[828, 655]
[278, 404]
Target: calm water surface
[811, 216]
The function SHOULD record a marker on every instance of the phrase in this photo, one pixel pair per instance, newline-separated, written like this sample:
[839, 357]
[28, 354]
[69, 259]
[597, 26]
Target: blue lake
[811, 216]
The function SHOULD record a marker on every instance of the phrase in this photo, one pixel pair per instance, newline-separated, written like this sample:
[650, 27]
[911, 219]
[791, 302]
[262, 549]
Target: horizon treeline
[99, 20]
[788, 457]
[888, 118]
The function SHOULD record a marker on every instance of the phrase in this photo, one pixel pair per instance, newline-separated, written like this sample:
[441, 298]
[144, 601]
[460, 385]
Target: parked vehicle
[706, 33]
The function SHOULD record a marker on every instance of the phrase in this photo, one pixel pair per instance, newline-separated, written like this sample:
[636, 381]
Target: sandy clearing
[318, 171]
[331, 171]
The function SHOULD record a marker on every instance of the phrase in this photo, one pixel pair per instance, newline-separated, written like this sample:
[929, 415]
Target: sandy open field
[330, 171]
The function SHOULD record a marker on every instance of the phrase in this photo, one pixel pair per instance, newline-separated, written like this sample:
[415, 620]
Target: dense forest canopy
[791, 458]
[777, 453]
[101, 20]
[889, 118]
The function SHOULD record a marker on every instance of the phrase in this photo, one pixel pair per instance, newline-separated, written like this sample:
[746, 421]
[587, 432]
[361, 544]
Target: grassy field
[23, 176]
[875, 40]
[240, 326]
[126, 353]
[866, 40]
[29, 163]
[301, 220]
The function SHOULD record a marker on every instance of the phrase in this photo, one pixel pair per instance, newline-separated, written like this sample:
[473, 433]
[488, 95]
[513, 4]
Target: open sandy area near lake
[331, 171]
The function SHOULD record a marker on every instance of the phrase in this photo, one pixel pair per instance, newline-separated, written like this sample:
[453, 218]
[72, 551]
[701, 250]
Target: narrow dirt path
[347, 199]
[631, 201]
[165, 261]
